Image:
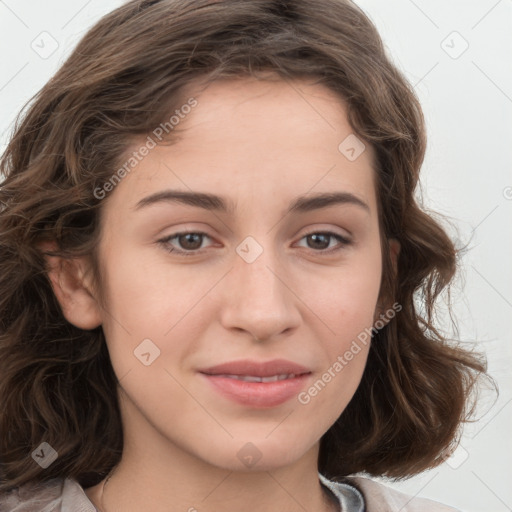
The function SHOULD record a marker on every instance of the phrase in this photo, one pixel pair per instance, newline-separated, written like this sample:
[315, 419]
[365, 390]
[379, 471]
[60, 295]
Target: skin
[259, 144]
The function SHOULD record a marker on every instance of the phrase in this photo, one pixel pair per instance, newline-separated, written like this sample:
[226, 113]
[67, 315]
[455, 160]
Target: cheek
[346, 305]
[144, 294]
[345, 298]
[148, 300]
[347, 308]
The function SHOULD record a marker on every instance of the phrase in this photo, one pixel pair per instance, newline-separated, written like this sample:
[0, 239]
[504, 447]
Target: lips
[257, 369]
[254, 378]
[257, 384]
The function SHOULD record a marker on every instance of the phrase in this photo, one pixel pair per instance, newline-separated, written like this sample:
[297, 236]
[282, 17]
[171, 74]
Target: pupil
[190, 241]
[321, 241]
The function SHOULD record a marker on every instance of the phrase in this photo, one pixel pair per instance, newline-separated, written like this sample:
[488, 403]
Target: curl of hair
[133, 67]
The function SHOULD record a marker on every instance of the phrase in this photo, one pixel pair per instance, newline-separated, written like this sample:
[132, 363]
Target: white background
[467, 99]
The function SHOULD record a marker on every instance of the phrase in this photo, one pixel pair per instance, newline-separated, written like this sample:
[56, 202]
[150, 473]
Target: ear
[73, 288]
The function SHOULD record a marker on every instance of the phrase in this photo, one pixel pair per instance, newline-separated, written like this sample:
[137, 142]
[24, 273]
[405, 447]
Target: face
[209, 300]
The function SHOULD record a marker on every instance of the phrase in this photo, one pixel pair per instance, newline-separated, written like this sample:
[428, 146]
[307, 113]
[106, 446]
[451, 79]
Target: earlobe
[72, 289]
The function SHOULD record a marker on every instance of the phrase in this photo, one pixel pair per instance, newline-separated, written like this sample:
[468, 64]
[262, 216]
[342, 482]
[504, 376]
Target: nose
[258, 299]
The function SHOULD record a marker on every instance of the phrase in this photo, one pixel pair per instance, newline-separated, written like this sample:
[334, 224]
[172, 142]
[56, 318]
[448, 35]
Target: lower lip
[258, 394]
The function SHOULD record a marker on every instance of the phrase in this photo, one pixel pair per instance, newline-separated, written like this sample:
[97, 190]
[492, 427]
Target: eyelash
[344, 242]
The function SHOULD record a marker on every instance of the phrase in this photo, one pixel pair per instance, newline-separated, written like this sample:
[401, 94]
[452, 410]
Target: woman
[217, 288]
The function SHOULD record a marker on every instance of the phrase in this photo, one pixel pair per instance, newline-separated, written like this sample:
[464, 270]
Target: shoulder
[56, 495]
[33, 496]
[377, 496]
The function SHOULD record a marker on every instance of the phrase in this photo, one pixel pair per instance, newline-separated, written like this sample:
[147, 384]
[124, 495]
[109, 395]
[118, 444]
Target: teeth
[252, 378]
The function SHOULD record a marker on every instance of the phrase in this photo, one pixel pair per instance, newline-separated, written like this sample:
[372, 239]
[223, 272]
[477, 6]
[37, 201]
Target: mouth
[255, 378]
[257, 384]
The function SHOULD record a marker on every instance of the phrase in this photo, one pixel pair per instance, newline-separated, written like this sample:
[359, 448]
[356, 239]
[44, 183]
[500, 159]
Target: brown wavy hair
[56, 381]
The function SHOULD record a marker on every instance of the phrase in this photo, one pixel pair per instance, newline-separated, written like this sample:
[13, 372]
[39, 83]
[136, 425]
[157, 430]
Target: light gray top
[66, 495]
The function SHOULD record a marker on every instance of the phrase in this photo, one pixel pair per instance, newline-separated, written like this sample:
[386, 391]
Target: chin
[255, 455]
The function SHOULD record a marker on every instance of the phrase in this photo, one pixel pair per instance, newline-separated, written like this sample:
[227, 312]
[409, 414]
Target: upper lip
[256, 368]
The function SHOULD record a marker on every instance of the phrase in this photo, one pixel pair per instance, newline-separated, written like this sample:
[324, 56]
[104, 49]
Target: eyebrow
[217, 203]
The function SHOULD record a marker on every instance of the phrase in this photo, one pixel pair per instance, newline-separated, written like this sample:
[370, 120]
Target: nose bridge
[257, 298]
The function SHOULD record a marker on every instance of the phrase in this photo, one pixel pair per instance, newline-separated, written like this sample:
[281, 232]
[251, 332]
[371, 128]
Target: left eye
[322, 241]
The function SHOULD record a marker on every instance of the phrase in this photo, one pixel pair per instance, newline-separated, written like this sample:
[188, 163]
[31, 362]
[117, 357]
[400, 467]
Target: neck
[133, 486]
[158, 475]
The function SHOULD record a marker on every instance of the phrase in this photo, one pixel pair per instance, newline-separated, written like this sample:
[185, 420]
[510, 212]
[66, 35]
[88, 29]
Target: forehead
[257, 136]
[298, 111]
